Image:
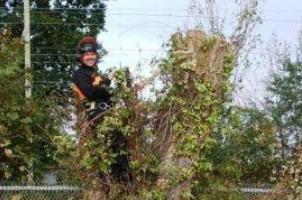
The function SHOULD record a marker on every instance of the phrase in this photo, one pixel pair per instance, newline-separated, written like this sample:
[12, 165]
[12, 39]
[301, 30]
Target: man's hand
[111, 75]
[139, 86]
[97, 80]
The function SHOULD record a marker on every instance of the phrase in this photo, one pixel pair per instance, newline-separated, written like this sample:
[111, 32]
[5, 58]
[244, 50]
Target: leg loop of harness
[93, 109]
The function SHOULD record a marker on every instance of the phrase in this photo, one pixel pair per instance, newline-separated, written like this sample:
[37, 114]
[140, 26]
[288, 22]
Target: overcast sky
[137, 29]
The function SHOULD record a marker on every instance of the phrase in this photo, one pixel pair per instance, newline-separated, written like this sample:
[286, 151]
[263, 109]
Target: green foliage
[290, 181]
[248, 140]
[26, 125]
[285, 109]
[284, 105]
[196, 95]
[152, 194]
[240, 150]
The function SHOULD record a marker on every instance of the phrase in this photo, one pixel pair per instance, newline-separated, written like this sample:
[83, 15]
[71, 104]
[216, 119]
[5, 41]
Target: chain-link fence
[63, 192]
[39, 192]
[255, 191]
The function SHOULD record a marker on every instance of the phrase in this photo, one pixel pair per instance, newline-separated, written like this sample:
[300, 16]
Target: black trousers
[119, 146]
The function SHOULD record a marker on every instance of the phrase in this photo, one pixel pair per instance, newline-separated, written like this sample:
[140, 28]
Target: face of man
[89, 59]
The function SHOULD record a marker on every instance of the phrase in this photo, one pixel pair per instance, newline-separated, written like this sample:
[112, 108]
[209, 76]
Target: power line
[40, 62]
[60, 62]
[189, 15]
[111, 49]
[56, 24]
[73, 55]
[127, 8]
[160, 15]
[56, 9]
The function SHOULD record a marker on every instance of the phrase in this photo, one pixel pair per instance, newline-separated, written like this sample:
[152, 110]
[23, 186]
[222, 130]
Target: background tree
[27, 126]
[246, 139]
[284, 105]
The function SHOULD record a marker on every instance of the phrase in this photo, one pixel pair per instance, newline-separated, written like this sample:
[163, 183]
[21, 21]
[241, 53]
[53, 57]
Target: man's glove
[97, 80]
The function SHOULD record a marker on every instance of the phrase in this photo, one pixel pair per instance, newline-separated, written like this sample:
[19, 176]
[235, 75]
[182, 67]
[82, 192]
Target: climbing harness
[94, 112]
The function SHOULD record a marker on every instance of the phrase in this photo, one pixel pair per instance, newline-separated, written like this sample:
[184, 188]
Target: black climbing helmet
[87, 44]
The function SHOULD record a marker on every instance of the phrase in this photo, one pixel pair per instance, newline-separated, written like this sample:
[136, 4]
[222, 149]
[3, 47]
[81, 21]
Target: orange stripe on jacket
[78, 92]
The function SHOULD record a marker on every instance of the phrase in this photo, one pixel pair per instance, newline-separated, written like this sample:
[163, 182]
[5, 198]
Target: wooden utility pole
[27, 67]
[26, 35]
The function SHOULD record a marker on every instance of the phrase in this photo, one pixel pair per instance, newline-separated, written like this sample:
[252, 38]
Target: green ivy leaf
[27, 120]
[202, 88]
[13, 115]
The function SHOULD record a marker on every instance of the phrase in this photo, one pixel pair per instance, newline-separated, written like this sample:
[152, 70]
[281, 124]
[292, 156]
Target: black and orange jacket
[86, 88]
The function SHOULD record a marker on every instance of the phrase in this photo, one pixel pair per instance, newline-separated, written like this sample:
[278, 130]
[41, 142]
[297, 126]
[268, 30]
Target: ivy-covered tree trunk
[198, 70]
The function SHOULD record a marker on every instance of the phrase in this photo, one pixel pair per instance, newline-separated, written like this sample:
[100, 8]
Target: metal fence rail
[252, 192]
[63, 192]
[39, 193]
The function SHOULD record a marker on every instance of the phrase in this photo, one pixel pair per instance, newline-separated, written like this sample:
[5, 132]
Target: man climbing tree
[90, 86]
[93, 101]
